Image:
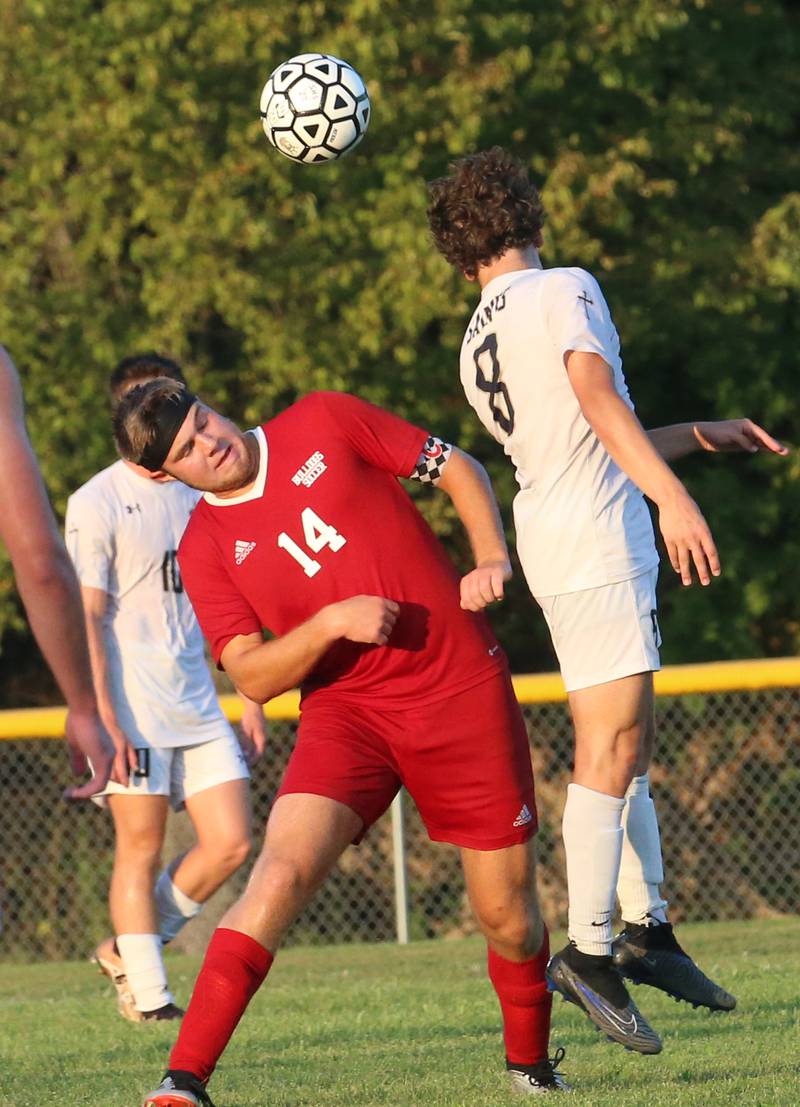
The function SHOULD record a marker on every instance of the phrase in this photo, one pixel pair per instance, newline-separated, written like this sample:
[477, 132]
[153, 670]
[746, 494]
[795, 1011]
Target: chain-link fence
[726, 781]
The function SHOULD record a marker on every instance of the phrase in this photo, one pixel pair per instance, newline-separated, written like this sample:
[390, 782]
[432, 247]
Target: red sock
[233, 970]
[525, 1003]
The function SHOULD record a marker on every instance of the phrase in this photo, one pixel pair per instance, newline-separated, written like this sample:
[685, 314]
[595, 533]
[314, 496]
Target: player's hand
[737, 436]
[89, 750]
[252, 731]
[367, 619]
[688, 539]
[125, 761]
[484, 585]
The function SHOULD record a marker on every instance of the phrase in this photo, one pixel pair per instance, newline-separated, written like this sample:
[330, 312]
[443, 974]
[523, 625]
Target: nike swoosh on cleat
[629, 1026]
[625, 1026]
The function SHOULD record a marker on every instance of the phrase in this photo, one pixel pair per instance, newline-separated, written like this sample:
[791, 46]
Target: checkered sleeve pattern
[431, 462]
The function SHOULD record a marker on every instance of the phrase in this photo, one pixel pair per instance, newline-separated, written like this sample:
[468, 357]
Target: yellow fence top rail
[675, 680]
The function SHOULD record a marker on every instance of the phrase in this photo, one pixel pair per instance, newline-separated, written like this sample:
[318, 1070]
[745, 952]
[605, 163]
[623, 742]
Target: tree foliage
[142, 208]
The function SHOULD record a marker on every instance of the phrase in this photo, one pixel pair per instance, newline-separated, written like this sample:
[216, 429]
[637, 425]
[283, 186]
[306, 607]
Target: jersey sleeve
[90, 541]
[222, 611]
[380, 438]
[577, 315]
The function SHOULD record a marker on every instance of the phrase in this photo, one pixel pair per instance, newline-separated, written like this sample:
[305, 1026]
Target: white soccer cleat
[539, 1079]
[178, 1089]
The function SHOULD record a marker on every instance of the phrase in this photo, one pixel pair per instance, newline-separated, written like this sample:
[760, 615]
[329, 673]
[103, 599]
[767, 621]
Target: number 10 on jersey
[317, 534]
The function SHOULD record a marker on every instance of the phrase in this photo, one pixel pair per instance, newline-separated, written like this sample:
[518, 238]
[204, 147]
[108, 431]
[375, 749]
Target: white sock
[144, 968]
[641, 868]
[592, 834]
[175, 908]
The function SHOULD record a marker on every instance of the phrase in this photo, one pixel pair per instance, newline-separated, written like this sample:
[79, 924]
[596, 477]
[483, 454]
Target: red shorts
[465, 761]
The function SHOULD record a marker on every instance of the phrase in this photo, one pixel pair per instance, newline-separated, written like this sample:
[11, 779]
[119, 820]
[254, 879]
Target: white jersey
[580, 522]
[122, 533]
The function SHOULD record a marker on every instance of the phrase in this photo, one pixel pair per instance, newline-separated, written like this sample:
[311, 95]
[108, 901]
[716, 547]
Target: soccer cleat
[594, 985]
[178, 1089]
[162, 1014]
[540, 1078]
[651, 955]
[125, 1001]
[115, 973]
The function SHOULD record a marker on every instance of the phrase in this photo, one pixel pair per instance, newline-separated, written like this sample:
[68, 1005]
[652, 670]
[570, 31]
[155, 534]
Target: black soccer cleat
[540, 1078]
[163, 1014]
[178, 1089]
[651, 955]
[593, 984]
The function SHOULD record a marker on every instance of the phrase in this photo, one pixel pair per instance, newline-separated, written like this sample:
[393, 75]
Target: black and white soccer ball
[314, 108]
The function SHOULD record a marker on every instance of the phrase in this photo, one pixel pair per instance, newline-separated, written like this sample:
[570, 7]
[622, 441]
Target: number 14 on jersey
[317, 535]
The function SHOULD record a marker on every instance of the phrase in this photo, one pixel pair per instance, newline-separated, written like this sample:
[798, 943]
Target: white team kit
[584, 535]
[122, 533]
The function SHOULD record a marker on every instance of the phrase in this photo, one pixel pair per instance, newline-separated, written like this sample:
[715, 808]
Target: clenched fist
[484, 585]
[367, 619]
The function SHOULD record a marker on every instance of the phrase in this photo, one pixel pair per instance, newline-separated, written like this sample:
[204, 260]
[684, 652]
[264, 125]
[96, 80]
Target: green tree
[142, 207]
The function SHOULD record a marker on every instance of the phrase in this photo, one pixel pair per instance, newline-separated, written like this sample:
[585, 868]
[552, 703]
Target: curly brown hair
[485, 207]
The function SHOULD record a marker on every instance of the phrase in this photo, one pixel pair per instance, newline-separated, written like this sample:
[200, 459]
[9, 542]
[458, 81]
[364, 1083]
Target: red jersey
[326, 520]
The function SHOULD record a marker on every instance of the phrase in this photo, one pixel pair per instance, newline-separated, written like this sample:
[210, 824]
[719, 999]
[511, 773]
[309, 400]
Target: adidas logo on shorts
[524, 816]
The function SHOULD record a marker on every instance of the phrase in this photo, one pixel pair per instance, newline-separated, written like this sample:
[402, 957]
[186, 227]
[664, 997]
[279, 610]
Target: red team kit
[434, 709]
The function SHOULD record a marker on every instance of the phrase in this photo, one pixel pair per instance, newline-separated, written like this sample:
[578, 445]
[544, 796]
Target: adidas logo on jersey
[308, 473]
[524, 816]
[242, 549]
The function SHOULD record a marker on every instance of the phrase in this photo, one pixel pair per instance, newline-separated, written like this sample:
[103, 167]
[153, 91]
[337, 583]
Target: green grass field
[362, 1026]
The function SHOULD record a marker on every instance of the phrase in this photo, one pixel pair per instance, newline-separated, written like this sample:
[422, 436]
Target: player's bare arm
[715, 437]
[95, 603]
[686, 534]
[262, 670]
[467, 484]
[47, 583]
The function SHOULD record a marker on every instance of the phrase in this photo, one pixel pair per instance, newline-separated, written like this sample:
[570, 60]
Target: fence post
[400, 873]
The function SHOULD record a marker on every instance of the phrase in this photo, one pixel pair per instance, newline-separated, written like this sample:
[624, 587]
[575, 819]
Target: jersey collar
[257, 491]
[504, 281]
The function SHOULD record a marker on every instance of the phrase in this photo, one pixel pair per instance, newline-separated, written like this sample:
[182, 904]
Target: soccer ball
[314, 108]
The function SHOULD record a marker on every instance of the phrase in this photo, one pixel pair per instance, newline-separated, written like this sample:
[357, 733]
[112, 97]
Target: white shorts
[603, 634]
[181, 771]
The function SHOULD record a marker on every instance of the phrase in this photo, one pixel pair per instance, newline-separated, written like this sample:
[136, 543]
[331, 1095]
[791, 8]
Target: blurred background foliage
[141, 207]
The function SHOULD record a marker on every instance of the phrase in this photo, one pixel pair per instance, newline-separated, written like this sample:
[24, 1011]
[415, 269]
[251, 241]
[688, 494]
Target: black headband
[169, 420]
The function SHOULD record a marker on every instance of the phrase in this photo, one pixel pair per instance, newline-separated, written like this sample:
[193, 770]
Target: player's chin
[230, 482]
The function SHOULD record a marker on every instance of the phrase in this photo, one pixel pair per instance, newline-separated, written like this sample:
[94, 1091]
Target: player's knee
[240, 849]
[609, 765]
[142, 851]
[231, 853]
[280, 880]
[514, 925]
[625, 761]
